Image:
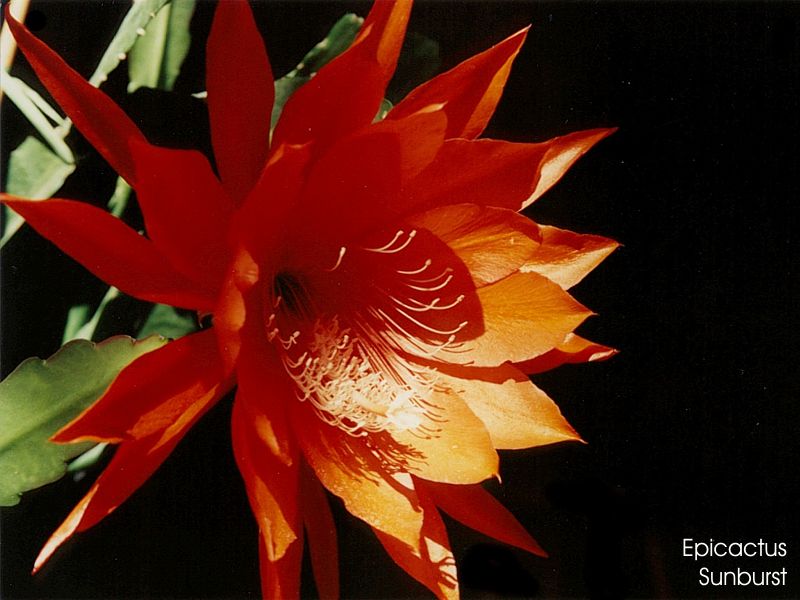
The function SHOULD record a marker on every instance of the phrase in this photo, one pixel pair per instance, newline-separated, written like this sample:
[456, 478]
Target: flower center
[354, 381]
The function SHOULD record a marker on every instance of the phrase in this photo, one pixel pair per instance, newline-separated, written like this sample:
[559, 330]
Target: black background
[691, 429]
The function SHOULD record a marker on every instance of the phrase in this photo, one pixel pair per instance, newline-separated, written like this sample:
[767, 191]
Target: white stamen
[387, 249]
[342, 250]
[434, 288]
[424, 266]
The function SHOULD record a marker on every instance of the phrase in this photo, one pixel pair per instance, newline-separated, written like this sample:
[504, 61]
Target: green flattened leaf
[419, 61]
[34, 171]
[166, 321]
[156, 58]
[41, 396]
[337, 41]
[132, 28]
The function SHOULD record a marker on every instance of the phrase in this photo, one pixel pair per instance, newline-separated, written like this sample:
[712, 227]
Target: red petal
[280, 579]
[356, 185]
[346, 93]
[97, 117]
[186, 211]
[231, 311]
[574, 349]
[133, 463]
[476, 508]
[272, 485]
[259, 223]
[497, 173]
[429, 560]
[263, 391]
[469, 92]
[566, 257]
[240, 96]
[112, 251]
[151, 393]
[321, 532]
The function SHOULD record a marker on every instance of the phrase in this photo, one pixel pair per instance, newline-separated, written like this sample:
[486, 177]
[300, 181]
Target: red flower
[376, 297]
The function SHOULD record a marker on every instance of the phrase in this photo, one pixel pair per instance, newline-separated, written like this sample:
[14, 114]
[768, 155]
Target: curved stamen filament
[428, 262]
[387, 249]
[342, 250]
[436, 288]
[433, 305]
[433, 329]
[447, 271]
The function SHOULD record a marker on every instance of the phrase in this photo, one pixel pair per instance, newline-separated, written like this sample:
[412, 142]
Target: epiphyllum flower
[377, 300]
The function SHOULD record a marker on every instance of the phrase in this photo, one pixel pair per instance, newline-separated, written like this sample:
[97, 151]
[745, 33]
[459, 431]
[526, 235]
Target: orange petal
[515, 412]
[566, 257]
[186, 210]
[280, 579]
[561, 155]
[95, 115]
[112, 251]
[525, 315]
[469, 92]
[240, 96]
[429, 560]
[321, 532]
[272, 485]
[491, 242]
[476, 508]
[458, 449]
[151, 393]
[574, 349]
[134, 461]
[346, 93]
[351, 469]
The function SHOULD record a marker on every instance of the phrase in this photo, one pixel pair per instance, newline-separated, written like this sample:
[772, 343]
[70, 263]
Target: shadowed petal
[469, 92]
[476, 508]
[186, 211]
[272, 484]
[321, 532]
[491, 242]
[566, 257]
[349, 468]
[355, 187]
[112, 251]
[516, 413]
[134, 461]
[574, 349]
[97, 117]
[150, 393]
[260, 222]
[428, 560]
[347, 92]
[280, 579]
[240, 96]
